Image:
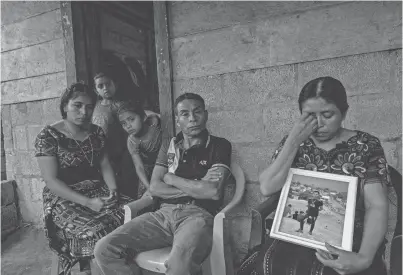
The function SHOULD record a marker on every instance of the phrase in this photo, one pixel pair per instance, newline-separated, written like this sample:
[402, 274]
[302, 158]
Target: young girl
[105, 116]
[143, 142]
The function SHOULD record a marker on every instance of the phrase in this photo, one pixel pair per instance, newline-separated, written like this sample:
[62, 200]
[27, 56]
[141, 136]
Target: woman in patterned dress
[81, 202]
[319, 142]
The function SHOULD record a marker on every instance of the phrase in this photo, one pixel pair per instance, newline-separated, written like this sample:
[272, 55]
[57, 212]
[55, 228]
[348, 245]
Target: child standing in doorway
[105, 116]
[143, 142]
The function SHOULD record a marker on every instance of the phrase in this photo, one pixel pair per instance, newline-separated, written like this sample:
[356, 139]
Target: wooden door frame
[82, 45]
[82, 40]
[164, 68]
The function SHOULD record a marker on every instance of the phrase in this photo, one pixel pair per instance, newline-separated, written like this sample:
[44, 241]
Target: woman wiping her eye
[318, 142]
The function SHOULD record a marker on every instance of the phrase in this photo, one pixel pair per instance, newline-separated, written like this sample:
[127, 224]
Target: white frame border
[348, 229]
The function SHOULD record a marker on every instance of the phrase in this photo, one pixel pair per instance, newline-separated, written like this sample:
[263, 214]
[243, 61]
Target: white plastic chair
[219, 261]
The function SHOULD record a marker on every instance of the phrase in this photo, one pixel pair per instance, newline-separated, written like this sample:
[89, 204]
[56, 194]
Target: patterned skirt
[276, 257]
[73, 229]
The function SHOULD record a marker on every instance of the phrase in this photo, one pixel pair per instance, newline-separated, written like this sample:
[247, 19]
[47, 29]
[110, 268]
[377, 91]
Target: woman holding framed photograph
[318, 142]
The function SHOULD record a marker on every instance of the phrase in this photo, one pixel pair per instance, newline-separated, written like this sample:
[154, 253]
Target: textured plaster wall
[249, 60]
[32, 73]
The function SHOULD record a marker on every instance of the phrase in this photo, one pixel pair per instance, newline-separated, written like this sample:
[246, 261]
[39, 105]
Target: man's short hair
[185, 96]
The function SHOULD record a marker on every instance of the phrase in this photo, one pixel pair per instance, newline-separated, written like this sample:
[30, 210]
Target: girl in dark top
[143, 142]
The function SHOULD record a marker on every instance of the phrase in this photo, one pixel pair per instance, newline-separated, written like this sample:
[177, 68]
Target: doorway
[118, 35]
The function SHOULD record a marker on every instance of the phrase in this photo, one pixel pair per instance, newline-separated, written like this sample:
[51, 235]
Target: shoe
[310, 233]
[299, 230]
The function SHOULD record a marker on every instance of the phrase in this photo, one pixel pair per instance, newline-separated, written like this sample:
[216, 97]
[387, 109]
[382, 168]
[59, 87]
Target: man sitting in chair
[188, 181]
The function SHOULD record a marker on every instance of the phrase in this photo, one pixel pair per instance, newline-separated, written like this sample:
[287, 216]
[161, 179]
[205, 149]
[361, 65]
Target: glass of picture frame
[315, 208]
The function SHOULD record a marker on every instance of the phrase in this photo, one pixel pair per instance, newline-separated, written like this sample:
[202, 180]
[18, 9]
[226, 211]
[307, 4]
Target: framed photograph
[315, 208]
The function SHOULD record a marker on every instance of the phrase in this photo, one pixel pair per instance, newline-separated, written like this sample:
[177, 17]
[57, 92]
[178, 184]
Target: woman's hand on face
[303, 128]
[95, 204]
[345, 262]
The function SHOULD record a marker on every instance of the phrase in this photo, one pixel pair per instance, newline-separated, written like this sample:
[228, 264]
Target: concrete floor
[26, 252]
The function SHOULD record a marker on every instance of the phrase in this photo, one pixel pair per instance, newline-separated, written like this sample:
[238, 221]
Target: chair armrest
[396, 256]
[259, 216]
[239, 190]
[133, 208]
[257, 230]
[269, 205]
[221, 256]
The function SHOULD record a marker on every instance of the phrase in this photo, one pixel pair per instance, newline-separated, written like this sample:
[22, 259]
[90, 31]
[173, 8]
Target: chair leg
[55, 265]
[94, 268]
[206, 267]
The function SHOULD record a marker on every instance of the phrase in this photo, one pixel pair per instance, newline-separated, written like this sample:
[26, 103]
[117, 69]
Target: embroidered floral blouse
[361, 156]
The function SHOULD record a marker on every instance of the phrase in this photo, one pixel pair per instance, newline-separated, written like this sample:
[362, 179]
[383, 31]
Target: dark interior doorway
[118, 35]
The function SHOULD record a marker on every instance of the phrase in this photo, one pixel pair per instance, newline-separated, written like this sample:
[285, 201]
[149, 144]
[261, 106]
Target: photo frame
[325, 205]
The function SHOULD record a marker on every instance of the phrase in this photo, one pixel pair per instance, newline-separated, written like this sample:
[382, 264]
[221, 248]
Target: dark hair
[127, 74]
[185, 96]
[131, 107]
[106, 74]
[328, 88]
[71, 92]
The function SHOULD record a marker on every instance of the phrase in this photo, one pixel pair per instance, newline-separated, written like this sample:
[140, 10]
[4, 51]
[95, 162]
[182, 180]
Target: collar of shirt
[205, 137]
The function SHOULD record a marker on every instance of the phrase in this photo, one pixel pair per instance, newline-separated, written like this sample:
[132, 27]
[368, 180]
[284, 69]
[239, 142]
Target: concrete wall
[249, 60]
[9, 213]
[32, 75]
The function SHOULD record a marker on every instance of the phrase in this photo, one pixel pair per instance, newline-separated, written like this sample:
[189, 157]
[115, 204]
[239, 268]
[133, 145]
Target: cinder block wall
[249, 60]
[32, 73]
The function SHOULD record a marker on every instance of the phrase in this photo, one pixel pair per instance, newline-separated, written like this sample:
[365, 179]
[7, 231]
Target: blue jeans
[186, 227]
